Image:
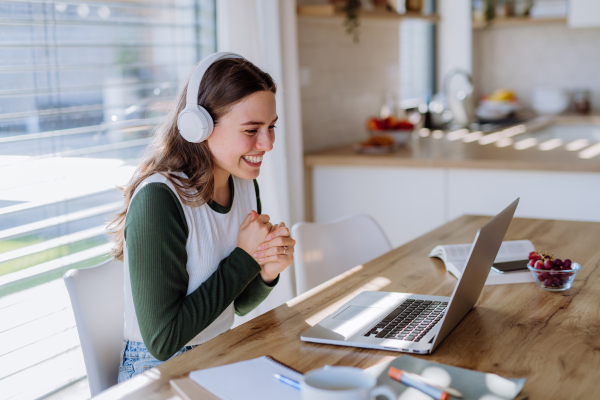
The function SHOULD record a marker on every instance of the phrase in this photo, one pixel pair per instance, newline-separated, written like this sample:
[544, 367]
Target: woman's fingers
[273, 251]
[276, 254]
[263, 218]
[282, 230]
[251, 217]
[278, 241]
[263, 222]
[282, 259]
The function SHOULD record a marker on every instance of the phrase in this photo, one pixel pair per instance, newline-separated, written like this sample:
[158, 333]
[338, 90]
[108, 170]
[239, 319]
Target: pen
[452, 392]
[408, 380]
[287, 381]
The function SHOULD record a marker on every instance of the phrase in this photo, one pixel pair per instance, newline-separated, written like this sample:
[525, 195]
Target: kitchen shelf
[516, 22]
[329, 11]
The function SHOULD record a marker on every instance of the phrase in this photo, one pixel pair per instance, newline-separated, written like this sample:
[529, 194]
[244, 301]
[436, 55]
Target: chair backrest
[324, 251]
[97, 298]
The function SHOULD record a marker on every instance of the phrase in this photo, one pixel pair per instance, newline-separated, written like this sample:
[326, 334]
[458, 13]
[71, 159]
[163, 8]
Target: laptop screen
[479, 263]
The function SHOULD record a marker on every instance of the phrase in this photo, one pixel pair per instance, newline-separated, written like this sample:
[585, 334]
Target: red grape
[566, 264]
[548, 282]
[533, 255]
[557, 281]
[558, 263]
[539, 264]
[548, 264]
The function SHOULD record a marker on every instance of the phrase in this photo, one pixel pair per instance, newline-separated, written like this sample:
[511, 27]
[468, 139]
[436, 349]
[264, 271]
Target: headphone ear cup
[207, 121]
[195, 124]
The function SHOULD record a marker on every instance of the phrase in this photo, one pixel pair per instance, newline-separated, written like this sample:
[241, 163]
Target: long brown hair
[225, 83]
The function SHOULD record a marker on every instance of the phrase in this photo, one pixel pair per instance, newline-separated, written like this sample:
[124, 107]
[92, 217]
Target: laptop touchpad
[362, 313]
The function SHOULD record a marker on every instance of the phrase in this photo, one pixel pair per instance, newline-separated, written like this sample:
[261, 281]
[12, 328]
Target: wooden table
[518, 330]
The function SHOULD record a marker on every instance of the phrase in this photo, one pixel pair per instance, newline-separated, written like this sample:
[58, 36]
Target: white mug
[342, 383]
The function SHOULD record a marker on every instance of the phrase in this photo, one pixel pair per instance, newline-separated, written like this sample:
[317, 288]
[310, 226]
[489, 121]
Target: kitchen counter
[443, 153]
[435, 180]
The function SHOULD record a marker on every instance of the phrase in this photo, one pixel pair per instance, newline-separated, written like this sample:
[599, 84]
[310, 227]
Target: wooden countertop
[443, 153]
[518, 330]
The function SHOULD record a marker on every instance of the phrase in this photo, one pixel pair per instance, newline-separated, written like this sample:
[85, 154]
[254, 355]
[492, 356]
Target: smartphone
[510, 266]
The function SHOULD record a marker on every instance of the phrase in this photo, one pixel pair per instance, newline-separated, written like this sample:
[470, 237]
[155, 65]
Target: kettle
[460, 102]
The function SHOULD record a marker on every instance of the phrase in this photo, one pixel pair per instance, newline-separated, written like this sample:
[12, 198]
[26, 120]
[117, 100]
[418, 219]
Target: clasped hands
[270, 245]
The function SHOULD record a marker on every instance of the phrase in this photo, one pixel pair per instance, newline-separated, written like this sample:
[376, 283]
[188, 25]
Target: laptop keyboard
[411, 320]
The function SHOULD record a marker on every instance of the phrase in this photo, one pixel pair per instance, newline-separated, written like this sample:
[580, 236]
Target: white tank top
[212, 237]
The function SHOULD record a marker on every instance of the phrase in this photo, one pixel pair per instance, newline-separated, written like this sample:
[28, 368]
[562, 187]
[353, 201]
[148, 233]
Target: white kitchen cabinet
[548, 195]
[584, 13]
[406, 202]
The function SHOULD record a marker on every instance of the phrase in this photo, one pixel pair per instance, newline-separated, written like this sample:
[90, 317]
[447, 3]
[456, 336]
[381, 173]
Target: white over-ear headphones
[195, 123]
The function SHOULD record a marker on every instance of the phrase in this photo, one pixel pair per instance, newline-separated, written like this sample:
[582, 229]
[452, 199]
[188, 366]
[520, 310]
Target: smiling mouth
[253, 159]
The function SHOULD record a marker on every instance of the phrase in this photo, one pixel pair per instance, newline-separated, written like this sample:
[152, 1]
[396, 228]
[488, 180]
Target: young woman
[194, 243]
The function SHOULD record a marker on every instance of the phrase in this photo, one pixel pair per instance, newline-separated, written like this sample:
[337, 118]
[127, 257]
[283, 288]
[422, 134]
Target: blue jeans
[136, 359]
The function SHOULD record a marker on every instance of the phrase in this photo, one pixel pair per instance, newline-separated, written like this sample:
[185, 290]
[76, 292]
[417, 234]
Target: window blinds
[82, 84]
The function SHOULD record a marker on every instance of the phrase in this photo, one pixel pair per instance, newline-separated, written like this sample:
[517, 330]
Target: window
[82, 84]
[417, 64]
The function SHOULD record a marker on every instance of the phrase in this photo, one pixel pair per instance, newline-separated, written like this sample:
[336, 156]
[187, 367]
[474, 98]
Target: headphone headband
[200, 70]
[195, 123]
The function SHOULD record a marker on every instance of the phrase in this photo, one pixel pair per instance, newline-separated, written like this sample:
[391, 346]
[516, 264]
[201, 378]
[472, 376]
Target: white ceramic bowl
[550, 100]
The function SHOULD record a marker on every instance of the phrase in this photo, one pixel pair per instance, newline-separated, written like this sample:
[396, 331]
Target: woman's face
[243, 135]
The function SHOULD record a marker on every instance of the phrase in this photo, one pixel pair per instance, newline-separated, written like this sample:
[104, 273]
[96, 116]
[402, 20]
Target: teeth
[253, 159]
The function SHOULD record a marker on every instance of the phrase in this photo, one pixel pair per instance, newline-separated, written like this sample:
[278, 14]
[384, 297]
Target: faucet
[461, 101]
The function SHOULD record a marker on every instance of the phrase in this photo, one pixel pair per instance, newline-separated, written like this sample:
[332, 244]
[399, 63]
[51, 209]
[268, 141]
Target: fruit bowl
[376, 144]
[401, 136]
[554, 280]
[398, 129]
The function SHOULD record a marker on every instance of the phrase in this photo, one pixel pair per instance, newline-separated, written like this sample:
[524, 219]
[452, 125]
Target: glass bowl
[555, 280]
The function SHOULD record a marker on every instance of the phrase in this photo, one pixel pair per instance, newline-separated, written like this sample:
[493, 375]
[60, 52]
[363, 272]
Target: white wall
[344, 83]
[540, 55]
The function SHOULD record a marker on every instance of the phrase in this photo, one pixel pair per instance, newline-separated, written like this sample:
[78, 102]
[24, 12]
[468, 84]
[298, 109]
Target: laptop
[413, 323]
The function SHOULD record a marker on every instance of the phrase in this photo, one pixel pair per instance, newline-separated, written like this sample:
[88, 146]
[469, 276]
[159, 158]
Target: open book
[455, 256]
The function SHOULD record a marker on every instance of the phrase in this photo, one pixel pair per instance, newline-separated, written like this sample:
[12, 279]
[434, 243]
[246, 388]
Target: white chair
[97, 298]
[324, 251]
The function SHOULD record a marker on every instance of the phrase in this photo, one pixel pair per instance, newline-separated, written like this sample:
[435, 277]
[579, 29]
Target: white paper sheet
[251, 379]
